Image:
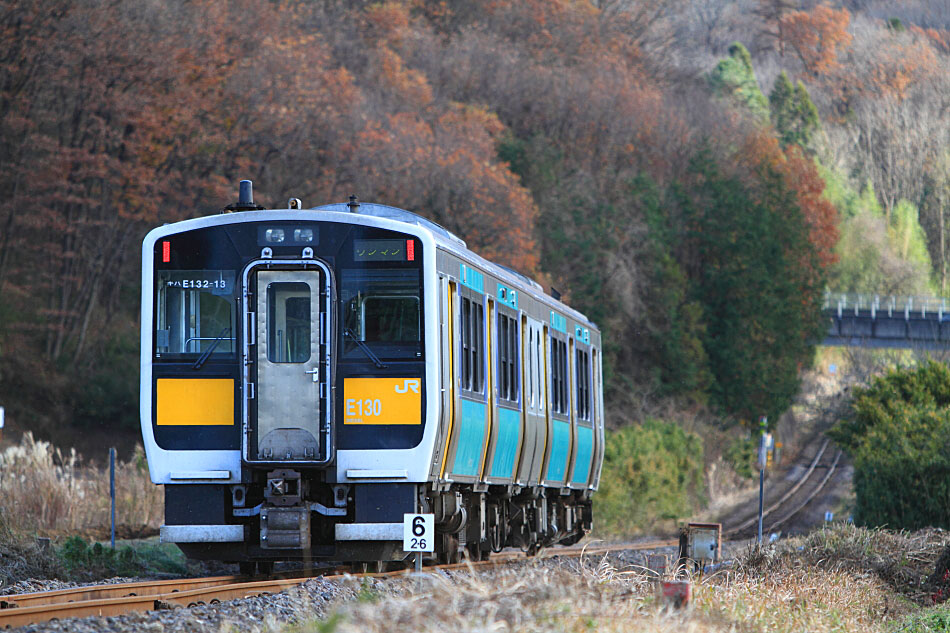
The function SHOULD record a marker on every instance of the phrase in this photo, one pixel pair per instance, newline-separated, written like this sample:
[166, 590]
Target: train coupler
[285, 528]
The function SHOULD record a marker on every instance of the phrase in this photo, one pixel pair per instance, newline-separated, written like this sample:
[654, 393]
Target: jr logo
[409, 383]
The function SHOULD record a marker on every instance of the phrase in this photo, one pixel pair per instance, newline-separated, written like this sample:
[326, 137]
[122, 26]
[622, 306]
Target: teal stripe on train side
[585, 450]
[471, 439]
[560, 446]
[506, 443]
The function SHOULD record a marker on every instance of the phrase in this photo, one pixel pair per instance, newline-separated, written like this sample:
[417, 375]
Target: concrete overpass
[887, 322]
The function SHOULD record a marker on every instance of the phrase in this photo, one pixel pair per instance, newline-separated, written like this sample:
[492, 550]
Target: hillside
[691, 174]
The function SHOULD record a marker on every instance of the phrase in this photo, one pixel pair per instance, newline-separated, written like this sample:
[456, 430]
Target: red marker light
[410, 250]
[166, 252]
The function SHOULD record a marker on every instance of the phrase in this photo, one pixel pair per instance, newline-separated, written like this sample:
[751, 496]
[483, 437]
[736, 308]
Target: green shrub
[741, 455]
[936, 620]
[651, 472]
[96, 559]
[896, 436]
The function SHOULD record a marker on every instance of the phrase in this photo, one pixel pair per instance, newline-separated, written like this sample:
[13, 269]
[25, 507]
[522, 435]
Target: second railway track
[796, 498]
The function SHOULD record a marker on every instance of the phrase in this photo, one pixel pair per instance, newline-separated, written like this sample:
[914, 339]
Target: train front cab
[284, 384]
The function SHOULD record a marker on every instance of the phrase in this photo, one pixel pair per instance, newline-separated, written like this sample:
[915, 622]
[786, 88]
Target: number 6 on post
[418, 533]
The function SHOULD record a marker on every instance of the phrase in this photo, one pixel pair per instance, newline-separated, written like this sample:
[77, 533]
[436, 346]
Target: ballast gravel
[33, 585]
[312, 600]
[308, 601]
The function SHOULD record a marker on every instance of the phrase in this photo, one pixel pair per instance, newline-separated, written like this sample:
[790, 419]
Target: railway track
[117, 599]
[795, 499]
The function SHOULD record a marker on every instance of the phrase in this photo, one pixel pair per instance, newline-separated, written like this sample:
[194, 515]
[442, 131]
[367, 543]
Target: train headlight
[303, 236]
[274, 236]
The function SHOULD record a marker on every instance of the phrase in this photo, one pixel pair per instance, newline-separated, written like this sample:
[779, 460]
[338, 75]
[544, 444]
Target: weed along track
[18, 610]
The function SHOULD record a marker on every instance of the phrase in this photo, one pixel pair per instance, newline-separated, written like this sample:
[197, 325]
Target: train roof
[401, 215]
[442, 236]
[395, 213]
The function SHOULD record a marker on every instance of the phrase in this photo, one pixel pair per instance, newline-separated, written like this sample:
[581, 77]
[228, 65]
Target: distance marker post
[418, 535]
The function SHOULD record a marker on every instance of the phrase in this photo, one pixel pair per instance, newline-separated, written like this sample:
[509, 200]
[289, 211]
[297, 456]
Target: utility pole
[762, 463]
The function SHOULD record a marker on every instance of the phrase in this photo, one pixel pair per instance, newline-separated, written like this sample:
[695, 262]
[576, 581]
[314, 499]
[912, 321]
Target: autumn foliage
[817, 36]
[559, 137]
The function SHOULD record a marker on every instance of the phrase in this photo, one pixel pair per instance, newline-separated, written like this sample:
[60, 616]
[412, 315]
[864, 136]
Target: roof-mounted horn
[245, 199]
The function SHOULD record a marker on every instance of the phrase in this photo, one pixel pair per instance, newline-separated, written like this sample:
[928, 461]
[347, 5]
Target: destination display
[382, 250]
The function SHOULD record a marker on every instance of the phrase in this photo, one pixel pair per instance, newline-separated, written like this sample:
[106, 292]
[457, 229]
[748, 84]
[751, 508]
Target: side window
[582, 389]
[508, 358]
[529, 357]
[565, 406]
[502, 347]
[559, 376]
[471, 334]
[478, 347]
[595, 403]
[465, 332]
[539, 355]
[555, 378]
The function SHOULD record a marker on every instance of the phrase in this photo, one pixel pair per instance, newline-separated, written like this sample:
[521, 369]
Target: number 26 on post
[418, 533]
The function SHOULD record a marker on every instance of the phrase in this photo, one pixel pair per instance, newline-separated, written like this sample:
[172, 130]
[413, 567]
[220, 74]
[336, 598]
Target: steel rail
[117, 590]
[749, 523]
[121, 598]
[814, 493]
[117, 606]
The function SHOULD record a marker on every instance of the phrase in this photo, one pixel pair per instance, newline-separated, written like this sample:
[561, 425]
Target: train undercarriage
[285, 515]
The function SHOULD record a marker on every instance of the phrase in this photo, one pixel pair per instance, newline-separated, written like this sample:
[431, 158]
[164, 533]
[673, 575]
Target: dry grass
[799, 599]
[844, 579]
[47, 492]
[598, 597]
[906, 561]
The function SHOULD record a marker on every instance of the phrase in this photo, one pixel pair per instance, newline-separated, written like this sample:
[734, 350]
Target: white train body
[310, 376]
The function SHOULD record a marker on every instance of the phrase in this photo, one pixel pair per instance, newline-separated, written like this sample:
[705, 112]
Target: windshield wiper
[214, 344]
[347, 332]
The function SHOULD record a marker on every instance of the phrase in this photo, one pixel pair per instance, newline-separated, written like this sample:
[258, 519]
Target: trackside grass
[46, 492]
[843, 579]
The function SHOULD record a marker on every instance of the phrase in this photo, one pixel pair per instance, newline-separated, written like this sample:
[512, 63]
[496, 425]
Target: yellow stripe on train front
[382, 401]
[194, 402]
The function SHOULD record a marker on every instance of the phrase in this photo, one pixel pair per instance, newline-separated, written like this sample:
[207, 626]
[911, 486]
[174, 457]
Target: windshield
[382, 308]
[194, 313]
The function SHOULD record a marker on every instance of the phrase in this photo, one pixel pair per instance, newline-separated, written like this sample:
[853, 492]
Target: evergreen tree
[793, 113]
[674, 323]
[751, 271]
[734, 77]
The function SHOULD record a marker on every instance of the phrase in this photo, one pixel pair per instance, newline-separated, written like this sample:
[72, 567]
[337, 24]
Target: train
[311, 376]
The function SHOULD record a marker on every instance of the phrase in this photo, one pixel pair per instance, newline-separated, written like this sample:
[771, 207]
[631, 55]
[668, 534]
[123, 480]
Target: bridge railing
[849, 303]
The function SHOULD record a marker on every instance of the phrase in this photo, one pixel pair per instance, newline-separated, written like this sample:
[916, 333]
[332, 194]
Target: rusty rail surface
[118, 599]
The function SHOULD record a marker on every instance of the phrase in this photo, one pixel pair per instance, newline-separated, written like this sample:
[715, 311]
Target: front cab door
[288, 415]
